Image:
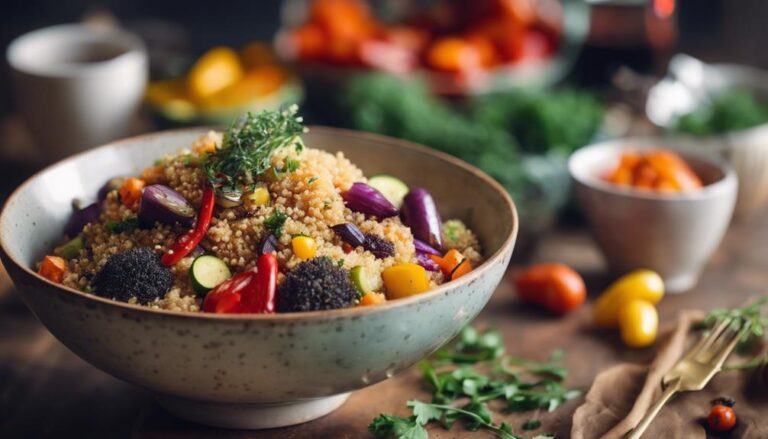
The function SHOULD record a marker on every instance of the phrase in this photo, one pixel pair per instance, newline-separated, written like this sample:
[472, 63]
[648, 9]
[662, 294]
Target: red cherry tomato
[721, 418]
[555, 287]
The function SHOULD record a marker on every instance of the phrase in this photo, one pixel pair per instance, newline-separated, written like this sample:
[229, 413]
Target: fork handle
[638, 431]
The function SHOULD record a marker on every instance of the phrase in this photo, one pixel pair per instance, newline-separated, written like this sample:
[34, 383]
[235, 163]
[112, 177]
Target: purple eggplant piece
[161, 204]
[419, 212]
[81, 217]
[350, 234]
[365, 199]
[423, 247]
[426, 262]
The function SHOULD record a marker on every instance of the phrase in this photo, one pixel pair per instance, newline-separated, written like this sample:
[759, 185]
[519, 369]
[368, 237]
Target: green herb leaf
[425, 412]
[385, 426]
[275, 222]
[127, 225]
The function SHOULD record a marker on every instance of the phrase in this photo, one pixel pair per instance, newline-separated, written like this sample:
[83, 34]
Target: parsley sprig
[248, 147]
[462, 389]
[750, 318]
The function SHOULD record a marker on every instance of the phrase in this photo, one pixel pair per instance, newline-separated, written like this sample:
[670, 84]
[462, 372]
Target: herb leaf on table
[473, 371]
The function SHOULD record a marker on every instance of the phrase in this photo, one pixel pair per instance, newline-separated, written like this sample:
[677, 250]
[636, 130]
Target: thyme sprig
[248, 147]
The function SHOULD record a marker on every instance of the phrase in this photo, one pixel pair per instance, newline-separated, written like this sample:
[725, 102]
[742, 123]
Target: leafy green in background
[733, 110]
[522, 139]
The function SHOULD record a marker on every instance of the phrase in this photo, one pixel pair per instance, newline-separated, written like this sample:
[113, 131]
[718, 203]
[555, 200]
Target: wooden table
[46, 391]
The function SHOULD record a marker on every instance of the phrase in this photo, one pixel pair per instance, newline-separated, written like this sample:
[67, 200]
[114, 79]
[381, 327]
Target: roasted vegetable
[405, 280]
[161, 204]
[365, 199]
[419, 212]
[135, 273]
[81, 217]
[314, 285]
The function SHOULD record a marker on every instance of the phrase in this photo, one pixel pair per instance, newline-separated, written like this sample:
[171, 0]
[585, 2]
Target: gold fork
[695, 369]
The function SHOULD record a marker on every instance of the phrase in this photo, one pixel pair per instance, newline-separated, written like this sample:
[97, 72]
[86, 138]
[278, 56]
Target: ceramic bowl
[256, 371]
[746, 150]
[672, 234]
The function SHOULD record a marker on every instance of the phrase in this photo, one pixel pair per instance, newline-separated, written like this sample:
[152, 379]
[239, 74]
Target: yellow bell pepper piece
[216, 70]
[405, 280]
[259, 197]
[644, 285]
[304, 247]
[638, 323]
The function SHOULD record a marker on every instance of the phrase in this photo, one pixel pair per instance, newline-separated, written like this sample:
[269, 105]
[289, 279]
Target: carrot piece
[449, 261]
[373, 299]
[53, 268]
[130, 192]
[463, 268]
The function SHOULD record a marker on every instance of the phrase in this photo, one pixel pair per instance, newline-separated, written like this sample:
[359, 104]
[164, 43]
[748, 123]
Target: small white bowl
[672, 234]
[746, 150]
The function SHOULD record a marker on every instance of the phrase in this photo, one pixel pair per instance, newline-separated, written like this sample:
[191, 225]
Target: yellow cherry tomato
[638, 323]
[405, 280]
[304, 247]
[644, 285]
[259, 197]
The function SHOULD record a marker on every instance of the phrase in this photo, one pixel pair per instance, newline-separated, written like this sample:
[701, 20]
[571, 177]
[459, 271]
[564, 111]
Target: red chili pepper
[187, 242]
[261, 299]
[226, 298]
[251, 291]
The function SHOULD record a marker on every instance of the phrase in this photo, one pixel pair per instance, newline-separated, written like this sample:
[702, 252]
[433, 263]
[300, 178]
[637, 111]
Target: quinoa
[309, 197]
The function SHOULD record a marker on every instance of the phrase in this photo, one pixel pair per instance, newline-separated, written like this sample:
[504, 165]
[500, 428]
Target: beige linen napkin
[621, 395]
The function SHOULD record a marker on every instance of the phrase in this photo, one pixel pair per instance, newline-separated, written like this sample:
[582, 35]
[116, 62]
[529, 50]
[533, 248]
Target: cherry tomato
[721, 418]
[555, 287]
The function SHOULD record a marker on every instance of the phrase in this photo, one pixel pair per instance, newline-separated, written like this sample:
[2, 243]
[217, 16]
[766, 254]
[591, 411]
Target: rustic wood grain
[46, 391]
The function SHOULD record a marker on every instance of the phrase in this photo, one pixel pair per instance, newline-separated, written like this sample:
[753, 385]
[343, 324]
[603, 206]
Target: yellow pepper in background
[216, 70]
[638, 323]
[405, 280]
[643, 285]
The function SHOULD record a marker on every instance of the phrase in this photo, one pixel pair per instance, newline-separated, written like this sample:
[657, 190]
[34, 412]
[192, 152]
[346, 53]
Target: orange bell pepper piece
[53, 268]
[463, 268]
[373, 299]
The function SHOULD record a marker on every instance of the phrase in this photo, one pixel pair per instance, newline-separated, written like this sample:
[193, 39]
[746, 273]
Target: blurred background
[512, 86]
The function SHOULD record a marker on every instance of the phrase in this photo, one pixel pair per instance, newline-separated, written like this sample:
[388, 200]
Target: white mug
[77, 86]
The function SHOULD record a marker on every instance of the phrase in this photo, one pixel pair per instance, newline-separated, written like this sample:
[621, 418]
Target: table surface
[47, 391]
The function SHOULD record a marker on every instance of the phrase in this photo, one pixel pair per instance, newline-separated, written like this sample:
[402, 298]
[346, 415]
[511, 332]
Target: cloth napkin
[621, 395]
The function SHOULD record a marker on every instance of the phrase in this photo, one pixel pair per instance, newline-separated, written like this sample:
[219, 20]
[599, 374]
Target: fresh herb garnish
[248, 147]
[461, 388]
[751, 318]
[312, 179]
[127, 225]
[275, 222]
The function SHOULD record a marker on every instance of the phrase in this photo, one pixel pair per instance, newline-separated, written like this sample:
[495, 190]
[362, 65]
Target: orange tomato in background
[555, 287]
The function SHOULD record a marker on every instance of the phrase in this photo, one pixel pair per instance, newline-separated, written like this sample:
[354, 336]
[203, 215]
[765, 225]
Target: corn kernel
[304, 247]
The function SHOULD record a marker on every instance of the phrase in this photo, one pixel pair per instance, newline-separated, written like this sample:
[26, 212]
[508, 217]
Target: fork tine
[720, 357]
[705, 342]
[717, 345]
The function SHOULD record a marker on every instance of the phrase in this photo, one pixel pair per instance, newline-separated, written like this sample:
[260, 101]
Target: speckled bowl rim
[726, 184]
[302, 316]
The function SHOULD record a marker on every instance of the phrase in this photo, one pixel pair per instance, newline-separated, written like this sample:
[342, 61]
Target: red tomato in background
[555, 287]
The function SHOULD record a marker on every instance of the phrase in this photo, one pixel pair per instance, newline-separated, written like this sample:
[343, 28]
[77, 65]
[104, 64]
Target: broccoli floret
[133, 273]
[315, 285]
